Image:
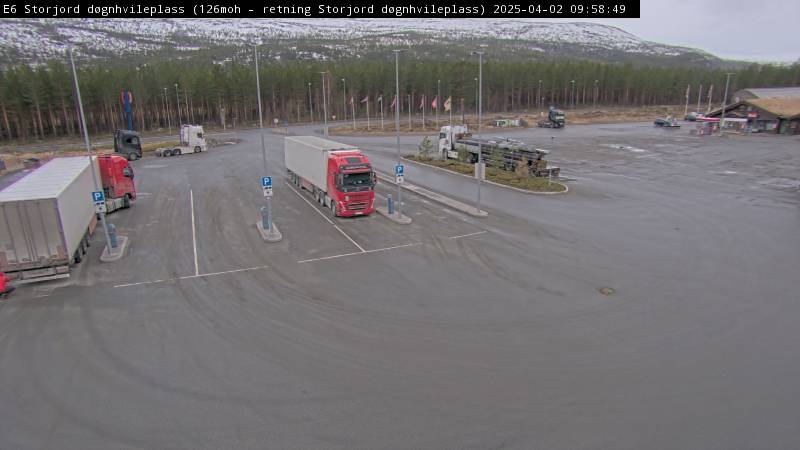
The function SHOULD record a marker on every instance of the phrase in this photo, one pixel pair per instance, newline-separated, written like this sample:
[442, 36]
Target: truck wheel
[133, 156]
[166, 153]
[78, 258]
[197, 149]
[126, 201]
[333, 208]
[176, 152]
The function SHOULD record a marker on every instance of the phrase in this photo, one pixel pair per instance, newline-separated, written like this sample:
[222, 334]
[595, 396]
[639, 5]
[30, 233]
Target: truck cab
[116, 175]
[448, 136]
[351, 183]
[127, 144]
[193, 138]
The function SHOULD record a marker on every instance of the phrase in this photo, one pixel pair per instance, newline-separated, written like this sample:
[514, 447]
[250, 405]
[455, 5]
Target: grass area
[534, 184]
[152, 146]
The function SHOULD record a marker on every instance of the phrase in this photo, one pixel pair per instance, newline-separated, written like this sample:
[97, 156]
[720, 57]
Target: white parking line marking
[326, 218]
[194, 234]
[356, 253]
[467, 235]
[247, 269]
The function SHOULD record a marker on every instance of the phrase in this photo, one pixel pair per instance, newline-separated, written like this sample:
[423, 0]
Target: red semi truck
[339, 176]
[48, 216]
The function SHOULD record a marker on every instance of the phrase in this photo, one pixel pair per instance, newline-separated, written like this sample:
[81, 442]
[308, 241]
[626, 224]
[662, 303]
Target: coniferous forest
[38, 102]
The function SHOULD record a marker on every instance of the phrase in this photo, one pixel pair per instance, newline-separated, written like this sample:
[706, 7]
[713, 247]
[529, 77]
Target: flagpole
[410, 107]
[381, 112]
[423, 111]
[353, 105]
[438, 100]
[368, 113]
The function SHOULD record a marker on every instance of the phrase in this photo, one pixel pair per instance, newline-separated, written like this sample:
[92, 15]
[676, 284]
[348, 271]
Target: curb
[116, 254]
[402, 220]
[273, 235]
[524, 191]
[431, 195]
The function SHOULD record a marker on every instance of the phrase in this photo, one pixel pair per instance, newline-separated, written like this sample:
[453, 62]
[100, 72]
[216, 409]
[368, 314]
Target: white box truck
[339, 176]
[46, 219]
[193, 140]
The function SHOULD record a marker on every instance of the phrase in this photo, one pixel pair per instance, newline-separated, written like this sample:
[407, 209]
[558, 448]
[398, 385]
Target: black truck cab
[127, 144]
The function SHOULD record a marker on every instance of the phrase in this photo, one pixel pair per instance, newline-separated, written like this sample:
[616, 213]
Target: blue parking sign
[266, 182]
[398, 170]
[97, 196]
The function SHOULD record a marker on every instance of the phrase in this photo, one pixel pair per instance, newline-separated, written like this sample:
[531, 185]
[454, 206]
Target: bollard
[265, 223]
[112, 235]
[389, 204]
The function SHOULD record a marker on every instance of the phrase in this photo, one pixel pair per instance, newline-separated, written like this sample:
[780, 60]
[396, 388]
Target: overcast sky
[760, 30]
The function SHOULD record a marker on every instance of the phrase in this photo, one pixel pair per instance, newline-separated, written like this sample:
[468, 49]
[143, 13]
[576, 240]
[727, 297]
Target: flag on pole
[688, 86]
[351, 100]
[394, 101]
[422, 103]
[434, 102]
[447, 103]
[380, 99]
[366, 99]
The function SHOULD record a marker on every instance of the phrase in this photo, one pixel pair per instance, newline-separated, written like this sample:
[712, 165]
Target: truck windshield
[357, 179]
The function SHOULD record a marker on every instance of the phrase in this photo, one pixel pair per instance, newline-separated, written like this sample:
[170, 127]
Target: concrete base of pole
[272, 235]
[116, 253]
[395, 217]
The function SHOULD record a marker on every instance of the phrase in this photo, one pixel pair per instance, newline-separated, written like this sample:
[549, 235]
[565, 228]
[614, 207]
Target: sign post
[399, 174]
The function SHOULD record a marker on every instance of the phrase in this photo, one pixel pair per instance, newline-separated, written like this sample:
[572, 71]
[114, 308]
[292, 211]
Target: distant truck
[500, 152]
[338, 176]
[128, 144]
[192, 140]
[47, 217]
[555, 119]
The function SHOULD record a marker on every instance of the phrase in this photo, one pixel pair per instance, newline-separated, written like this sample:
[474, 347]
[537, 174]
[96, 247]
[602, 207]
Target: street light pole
[481, 167]
[344, 98]
[572, 94]
[178, 105]
[266, 215]
[438, 100]
[310, 105]
[724, 101]
[397, 123]
[539, 96]
[166, 104]
[595, 94]
[88, 147]
[324, 104]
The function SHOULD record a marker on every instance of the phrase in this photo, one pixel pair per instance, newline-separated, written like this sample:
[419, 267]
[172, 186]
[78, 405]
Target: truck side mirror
[373, 178]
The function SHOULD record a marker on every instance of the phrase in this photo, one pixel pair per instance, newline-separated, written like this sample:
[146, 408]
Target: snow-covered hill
[36, 40]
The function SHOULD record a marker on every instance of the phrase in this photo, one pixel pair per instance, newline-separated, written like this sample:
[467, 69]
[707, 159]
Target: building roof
[47, 181]
[781, 107]
[774, 92]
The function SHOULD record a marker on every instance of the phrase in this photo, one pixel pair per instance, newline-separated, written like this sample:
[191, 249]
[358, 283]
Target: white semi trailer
[46, 219]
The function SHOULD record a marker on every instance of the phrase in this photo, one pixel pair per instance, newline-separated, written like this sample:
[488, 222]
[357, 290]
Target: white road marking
[356, 253]
[194, 234]
[187, 277]
[467, 235]
[324, 216]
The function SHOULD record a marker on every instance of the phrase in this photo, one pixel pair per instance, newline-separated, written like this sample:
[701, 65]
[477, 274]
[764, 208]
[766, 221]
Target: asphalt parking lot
[451, 332]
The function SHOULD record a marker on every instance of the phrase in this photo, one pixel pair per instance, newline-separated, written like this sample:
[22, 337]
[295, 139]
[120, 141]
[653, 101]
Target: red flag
[394, 102]
[434, 102]
[366, 99]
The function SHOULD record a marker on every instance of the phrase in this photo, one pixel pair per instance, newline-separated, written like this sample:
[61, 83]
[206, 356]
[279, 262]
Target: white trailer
[46, 219]
[192, 140]
[307, 156]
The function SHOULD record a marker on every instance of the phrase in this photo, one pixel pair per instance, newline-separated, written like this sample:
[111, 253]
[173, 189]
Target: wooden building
[779, 115]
